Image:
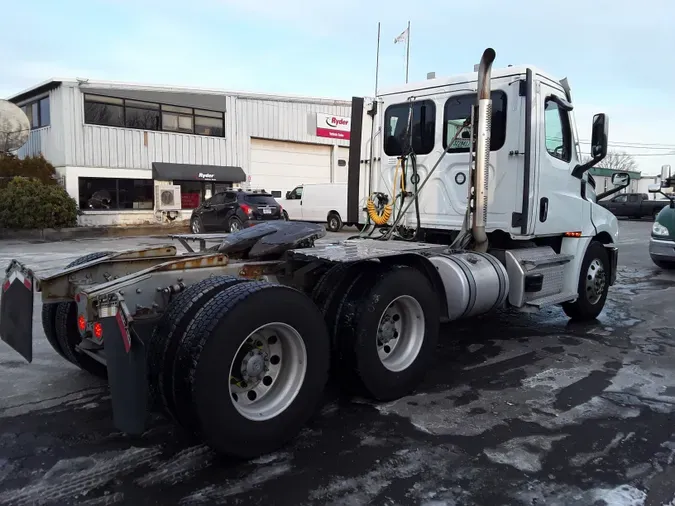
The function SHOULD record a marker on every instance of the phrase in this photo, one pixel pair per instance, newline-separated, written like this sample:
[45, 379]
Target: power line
[639, 154]
[639, 145]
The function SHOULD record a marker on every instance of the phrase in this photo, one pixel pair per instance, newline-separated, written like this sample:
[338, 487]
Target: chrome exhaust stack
[481, 173]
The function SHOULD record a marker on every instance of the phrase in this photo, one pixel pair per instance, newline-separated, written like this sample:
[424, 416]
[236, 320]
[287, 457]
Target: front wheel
[593, 285]
[251, 379]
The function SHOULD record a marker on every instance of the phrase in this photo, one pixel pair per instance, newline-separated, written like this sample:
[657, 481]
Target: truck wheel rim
[268, 371]
[333, 223]
[234, 226]
[595, 281]
[195, 227]
[400, 333]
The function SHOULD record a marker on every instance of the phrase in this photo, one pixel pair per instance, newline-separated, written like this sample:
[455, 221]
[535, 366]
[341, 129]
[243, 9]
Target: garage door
[342, 164]
[281, 166]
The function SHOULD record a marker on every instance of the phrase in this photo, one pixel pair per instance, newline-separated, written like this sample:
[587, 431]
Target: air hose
[381, 216]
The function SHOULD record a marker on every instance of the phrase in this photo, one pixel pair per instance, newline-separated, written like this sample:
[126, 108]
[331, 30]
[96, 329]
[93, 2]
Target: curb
[69, 234]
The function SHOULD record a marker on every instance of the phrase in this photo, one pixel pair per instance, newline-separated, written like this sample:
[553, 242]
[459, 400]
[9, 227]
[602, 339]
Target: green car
[662, 242]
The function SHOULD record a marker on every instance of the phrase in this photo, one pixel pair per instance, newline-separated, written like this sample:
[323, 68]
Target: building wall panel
[281, 120]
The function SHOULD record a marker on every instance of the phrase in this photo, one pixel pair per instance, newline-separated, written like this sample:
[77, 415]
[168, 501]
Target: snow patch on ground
[562, 495]
[523, 453]
[77, 477]
[219, 494]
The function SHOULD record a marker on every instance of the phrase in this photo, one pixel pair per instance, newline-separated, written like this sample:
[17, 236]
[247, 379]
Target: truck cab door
[559, 205]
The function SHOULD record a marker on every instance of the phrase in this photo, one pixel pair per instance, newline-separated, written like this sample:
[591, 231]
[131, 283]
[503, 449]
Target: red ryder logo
[332, 121]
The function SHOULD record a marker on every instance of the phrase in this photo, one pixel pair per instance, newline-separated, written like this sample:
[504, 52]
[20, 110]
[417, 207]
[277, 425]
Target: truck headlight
[658, 229]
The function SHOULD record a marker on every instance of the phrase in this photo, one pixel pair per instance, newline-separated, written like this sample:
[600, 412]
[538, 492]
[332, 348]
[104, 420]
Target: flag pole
[377, 59]
[407, 53]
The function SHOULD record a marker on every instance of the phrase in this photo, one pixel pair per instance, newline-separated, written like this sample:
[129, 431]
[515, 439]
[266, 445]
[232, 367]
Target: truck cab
[537, 182]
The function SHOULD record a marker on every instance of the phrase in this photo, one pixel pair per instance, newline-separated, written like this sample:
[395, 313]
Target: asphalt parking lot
[518, 409]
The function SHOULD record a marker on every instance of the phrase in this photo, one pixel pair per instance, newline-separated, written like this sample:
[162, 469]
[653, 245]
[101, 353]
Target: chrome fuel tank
[474, 282]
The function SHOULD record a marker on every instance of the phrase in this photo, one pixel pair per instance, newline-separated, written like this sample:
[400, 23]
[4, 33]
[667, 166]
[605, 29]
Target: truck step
[546, 260]
[549, 300]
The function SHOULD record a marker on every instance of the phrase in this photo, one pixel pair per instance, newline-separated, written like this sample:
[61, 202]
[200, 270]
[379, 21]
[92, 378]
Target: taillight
[98, 331]
[245, 208]
[81, 323]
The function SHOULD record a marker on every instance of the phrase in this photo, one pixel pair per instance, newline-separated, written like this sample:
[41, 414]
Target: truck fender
[422, 264]
[577, 246]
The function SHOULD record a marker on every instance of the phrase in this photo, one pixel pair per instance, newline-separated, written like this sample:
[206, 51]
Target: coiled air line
[381, 216]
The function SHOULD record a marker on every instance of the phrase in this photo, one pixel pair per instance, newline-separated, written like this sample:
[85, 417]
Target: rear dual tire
[59, 322]
[244, 380]
[384, 322]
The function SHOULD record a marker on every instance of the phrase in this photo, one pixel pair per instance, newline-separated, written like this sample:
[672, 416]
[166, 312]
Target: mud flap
[127, 370]
[613, 254]
[16, 309]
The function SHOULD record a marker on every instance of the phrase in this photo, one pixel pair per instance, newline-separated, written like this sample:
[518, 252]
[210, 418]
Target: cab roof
[470, 78]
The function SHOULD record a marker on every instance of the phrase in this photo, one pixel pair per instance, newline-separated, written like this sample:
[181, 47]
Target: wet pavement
[518, 409]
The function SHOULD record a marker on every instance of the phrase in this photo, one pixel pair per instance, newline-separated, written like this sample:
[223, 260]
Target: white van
[318, 203]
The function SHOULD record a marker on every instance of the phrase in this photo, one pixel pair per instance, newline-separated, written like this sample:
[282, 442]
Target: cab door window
[557, 131]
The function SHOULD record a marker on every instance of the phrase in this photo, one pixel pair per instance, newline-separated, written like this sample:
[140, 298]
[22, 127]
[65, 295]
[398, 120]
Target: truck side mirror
[656, 188]
[599, 137]
[620, 179]
[288, 195]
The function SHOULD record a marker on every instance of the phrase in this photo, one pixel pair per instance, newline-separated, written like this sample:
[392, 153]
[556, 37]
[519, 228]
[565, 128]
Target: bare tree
[617, 160]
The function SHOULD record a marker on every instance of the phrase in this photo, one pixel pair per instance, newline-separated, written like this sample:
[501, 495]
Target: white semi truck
[476, 199]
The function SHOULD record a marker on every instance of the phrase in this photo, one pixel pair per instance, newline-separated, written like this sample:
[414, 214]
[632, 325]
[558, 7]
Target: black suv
[233, 210]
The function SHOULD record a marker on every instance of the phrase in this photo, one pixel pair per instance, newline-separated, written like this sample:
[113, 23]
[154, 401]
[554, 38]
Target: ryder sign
[336, 127]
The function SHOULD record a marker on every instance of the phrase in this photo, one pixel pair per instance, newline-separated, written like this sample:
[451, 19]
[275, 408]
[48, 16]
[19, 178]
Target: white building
[113, 144]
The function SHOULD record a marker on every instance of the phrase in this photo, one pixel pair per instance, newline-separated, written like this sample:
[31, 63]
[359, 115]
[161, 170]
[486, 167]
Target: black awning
[189, 172]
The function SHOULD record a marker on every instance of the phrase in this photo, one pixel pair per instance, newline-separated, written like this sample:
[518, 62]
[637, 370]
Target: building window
[109, 194]
[422, 129]
[143, 115]
[458, 109]
[38, 112]
[103, 111]
[119, 112]
[557, 131]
